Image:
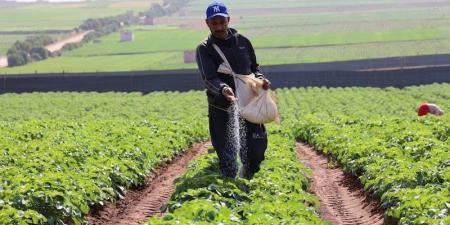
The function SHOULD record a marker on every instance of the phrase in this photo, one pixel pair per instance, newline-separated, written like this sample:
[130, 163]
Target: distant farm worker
[221, 92]
[425, 108]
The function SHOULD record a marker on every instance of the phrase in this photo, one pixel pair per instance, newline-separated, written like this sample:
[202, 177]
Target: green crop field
[296, 32]
[373, 133]
[64, 153]
[139, 62]
[276, 195]
[146, 41]
[199, 5]
[64, 16]
[35, 18]
[151, 41]
[145, 59]
[376, 135]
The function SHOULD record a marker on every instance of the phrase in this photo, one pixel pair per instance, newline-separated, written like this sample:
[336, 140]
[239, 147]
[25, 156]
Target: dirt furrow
[342, 197]
[139, 205]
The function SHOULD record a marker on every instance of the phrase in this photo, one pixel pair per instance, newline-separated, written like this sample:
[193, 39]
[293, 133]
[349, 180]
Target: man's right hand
[228, 93]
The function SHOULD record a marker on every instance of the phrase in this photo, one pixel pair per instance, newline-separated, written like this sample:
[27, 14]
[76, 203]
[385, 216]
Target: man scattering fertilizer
[229, 133]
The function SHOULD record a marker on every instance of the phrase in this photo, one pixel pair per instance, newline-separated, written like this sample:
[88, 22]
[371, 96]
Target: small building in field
[148, 20]
[189, 56]
[126, 36]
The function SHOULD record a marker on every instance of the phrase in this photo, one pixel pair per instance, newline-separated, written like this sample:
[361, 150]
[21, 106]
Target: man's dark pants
[253, 147]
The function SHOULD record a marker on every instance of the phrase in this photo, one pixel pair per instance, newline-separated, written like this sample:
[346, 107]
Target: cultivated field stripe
[342, 198]
[139, 205]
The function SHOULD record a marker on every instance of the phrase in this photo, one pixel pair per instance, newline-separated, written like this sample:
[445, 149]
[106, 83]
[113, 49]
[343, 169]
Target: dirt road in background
[342, 197]
[139, 205]
[78, 37]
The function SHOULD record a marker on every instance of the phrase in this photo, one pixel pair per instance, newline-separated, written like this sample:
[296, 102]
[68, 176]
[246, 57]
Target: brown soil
[139, 205]
[342, 198]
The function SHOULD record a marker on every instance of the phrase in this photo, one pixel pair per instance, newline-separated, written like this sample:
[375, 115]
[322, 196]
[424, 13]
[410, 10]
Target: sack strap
[219, 51]
[225, 61]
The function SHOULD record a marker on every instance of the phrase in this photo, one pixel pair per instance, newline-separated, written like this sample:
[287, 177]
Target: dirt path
[71, 39]
[3, 61]
[55, 46]
[139, 205]
[342, 198]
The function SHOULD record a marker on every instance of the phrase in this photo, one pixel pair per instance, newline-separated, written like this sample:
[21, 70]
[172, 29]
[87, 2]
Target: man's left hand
[266, 84]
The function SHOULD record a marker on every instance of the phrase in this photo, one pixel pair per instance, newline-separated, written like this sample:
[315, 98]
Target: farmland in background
[7, 40]
[283, 32]
[28, 19]
[64, 154]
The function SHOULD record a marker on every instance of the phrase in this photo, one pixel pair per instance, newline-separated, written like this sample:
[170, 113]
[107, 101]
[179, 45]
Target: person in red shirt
[425, 108]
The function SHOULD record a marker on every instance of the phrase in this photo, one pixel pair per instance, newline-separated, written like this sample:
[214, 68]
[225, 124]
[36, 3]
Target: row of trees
[33, 48]
[107, 25]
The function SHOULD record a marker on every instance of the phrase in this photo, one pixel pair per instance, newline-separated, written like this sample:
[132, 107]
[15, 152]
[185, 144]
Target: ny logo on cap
[216, 9]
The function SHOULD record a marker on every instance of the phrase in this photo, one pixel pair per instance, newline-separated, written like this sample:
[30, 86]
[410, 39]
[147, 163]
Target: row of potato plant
[64, 153]
[277, 194]
[376, 134]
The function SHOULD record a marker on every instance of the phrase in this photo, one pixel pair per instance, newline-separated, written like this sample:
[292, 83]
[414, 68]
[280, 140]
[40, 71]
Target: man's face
[218, 26]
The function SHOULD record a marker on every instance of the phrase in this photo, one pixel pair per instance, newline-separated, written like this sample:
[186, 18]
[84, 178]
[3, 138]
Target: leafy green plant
[276, 195]
[63, 153]
[376, 135]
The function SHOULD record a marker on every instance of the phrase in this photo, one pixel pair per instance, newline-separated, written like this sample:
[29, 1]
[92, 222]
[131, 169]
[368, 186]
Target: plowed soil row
[342, 197]
[139, 205]
[343, 200]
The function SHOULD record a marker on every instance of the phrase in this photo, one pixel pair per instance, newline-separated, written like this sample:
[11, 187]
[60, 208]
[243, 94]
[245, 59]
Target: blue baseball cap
[216, 9]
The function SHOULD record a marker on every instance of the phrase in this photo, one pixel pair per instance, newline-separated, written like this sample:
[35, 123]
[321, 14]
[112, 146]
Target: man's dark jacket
[240, 54]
